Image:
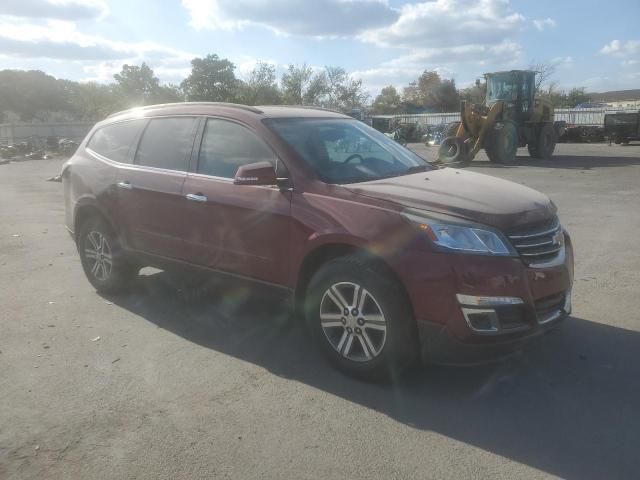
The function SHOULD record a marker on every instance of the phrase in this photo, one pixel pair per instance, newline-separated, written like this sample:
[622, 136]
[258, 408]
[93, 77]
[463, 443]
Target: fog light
[473, 301]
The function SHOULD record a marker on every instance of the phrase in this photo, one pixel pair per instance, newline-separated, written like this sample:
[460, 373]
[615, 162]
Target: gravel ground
[161, 385]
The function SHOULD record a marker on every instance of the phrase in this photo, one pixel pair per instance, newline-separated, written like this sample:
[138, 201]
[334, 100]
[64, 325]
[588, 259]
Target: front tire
[103, 261]
[361, 319]
[503, 143]
[544, 144]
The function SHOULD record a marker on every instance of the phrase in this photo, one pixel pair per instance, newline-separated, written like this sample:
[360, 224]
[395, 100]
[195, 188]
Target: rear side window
[227, 145]
[116, 141]
[167, 143]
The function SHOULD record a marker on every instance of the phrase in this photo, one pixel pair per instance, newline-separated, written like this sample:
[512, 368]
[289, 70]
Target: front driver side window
[226, 146]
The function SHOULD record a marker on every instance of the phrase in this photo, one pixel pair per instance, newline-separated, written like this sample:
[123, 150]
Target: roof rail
[148, 108]
[306, 107]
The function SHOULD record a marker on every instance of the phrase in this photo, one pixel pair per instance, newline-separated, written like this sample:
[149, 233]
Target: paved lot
[219, 387]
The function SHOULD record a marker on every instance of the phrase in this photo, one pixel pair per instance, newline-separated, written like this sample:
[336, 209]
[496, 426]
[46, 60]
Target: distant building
[624, 104]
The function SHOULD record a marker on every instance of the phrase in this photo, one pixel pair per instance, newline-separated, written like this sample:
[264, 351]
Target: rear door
[151, 204]
[114, 145]
[242, 230]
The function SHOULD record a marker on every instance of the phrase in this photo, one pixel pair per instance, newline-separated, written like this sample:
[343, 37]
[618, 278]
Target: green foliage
[31, 95]
[577, 96]
[329, 88]
[261, 88]
[431, 93]
[350, 95]
[562, 99]
[387, 102]
[92, 101]
[475, 94]
[295, 82]
[137, 85]
[34, 95]
[211, 79]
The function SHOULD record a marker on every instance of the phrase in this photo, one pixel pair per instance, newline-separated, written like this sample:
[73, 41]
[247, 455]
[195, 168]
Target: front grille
[539, 243]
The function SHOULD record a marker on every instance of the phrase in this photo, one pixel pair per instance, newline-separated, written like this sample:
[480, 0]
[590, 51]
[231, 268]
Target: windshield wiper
[416, 169]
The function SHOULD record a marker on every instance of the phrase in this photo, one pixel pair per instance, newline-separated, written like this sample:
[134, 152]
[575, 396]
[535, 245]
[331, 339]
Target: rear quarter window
[116, 141]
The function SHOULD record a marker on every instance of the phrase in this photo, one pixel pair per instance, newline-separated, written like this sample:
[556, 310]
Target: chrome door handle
[195, 197]
[126, 185]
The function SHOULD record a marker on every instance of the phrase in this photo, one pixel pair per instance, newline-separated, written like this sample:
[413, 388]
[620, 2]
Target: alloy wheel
[99, 256]
[353, 322]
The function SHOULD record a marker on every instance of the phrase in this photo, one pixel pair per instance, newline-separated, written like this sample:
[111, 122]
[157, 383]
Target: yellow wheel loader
[511, 117]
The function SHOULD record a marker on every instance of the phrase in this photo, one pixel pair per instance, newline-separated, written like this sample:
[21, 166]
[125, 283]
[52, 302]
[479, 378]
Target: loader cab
[515, 88]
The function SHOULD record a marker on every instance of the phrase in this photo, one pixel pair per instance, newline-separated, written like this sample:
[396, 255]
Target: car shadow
[569, 162]
[566, 405]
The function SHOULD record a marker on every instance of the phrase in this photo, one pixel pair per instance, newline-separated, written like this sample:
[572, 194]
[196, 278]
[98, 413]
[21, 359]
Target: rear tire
[361, 319]
[103, 260]
[544, 144]
[503, 143]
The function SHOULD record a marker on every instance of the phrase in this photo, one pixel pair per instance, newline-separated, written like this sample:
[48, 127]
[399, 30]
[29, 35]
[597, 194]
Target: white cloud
[436, 34]
[61, 40]
[55, 9]
[563, 62]
[446, 61]
[449, 36]
[622, 49]
[447, 23]
[320, 18]
[544, 23]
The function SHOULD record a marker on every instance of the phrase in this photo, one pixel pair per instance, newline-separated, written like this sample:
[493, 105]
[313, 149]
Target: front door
[242, 230]
[151, 202]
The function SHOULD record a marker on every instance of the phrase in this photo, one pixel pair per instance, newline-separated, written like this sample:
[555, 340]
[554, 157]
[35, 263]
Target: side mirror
[260, 173]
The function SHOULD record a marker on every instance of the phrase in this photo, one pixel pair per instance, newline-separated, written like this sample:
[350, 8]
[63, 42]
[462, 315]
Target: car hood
[461, 193]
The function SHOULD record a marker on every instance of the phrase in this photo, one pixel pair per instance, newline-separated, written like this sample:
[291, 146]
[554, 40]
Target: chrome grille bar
[538, 244]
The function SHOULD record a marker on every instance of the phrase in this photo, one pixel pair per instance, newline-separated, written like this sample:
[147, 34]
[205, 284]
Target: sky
[593, 44]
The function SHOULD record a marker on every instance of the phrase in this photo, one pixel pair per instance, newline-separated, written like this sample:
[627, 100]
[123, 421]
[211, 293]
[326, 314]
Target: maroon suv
[387, 256]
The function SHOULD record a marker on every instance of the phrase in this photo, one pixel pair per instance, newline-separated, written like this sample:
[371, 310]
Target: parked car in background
[385, 256]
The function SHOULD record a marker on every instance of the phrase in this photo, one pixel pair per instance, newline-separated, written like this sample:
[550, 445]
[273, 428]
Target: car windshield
[347, 151]
[501, 86]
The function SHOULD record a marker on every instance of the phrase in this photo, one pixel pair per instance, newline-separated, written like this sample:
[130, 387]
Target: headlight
[462, 238]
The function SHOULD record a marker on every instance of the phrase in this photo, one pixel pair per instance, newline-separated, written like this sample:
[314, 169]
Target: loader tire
[453, 152]
[503, 143]
[544, 144]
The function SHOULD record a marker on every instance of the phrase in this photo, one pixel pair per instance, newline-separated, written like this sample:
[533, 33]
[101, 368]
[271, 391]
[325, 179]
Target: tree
[211, 79]
[262, 88]
[137, 85]
[544, 72]
[475, 94]
[577, 96]
[432, 93]
[294, 83]
[335, 77]
[31, 95]
[558, 98]
[92, 101]
[387, 102]
[351, 95]
[317, 90]
[169, 94]
[447, 96]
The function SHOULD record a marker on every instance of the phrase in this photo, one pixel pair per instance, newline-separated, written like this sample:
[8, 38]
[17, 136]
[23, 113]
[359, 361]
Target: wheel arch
[86, 209]
[319, 256]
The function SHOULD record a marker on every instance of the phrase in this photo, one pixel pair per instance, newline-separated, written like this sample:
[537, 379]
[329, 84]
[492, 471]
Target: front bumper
[455, 327]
